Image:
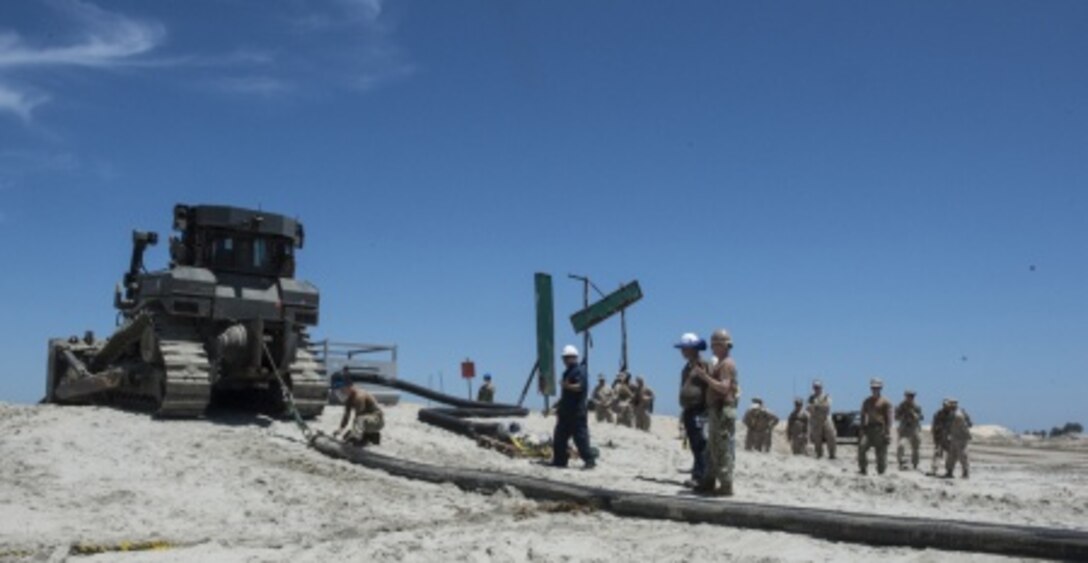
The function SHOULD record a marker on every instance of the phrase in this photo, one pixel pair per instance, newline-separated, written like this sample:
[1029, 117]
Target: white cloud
[19, 103]
[101, 40]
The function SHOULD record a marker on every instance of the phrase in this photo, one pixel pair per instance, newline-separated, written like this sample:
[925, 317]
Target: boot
[725, 490]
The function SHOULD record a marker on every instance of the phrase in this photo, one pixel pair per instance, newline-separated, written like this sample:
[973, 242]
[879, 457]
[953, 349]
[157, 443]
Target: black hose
[832, 525]
[454, 417]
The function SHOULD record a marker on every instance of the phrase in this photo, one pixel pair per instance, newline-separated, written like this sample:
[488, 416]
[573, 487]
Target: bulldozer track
[187, 387]
[308, 385]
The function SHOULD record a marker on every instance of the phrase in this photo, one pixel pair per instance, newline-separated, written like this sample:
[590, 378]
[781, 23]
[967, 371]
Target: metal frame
[346, 353]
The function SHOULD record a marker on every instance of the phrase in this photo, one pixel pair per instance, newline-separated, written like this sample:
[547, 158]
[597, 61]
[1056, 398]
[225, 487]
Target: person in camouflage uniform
[876, 428]
[797, 427]
[821, 429]
[909, 416]
[721, 405]
[752, 420]
[959, 435]
[602, 400]
[623, 395]
[642, 404]
[369, 420]
[486, 394]
[768, 422]
[939, 430]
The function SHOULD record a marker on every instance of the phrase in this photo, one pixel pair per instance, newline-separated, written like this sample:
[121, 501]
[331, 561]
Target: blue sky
[852, 188]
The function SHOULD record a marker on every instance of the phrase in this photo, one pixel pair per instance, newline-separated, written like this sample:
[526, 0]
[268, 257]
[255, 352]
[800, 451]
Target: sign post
[468, 371]
[545, 336]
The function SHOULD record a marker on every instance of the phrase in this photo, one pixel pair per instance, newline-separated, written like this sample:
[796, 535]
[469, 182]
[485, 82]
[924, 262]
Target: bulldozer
[224, 324]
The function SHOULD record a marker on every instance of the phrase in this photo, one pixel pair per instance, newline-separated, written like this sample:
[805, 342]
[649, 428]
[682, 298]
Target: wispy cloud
[100, 40]
[259, 85]
[19, 102]
[342, 44]
[321, 47]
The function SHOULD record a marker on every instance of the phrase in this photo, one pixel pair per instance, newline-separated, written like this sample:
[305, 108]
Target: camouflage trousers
[642, 419]
[957, 452]
[823, 432]
[604, 413]
[751, 439]
[720, 452]
[908, 436]
[625, 414]
[764, 442]
[365, 426]
[873, 437]
[798, 443]
[938, 455]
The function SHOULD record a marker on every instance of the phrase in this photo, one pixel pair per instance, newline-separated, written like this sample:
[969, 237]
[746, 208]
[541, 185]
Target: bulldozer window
[222, 252]
[248, 254]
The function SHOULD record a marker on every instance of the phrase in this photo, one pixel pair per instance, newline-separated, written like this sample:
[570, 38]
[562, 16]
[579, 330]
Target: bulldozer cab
[226, 239]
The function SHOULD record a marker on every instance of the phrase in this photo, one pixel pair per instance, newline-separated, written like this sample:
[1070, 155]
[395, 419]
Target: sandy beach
[247, 489]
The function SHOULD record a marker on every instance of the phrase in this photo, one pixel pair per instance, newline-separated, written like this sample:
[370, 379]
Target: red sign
[468, 369]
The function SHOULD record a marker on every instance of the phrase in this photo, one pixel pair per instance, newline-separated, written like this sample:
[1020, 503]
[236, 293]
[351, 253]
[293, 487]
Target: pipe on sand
[831, 525]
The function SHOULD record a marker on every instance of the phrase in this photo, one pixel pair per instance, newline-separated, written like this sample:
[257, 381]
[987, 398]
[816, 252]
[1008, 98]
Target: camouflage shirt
[797, 425]
[909, 415]
[876, 411]
[819, 407]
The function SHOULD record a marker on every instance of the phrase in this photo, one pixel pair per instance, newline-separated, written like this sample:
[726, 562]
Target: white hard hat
[570, 351]
[692, 341]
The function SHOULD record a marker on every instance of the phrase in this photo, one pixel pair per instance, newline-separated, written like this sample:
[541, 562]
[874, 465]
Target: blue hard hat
[487, 377]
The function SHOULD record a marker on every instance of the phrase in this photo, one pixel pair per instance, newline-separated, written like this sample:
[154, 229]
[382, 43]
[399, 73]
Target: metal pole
[528, 382]
[585, 337]
[623, 333]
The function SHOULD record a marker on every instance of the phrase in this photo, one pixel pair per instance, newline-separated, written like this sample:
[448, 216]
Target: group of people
[709, 391]
[625, 402]
[950, 429]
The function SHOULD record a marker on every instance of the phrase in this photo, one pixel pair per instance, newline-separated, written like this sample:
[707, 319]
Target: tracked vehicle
[218, 325]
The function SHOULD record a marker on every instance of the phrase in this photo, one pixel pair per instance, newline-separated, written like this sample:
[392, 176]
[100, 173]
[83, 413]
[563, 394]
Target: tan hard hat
[721, 335]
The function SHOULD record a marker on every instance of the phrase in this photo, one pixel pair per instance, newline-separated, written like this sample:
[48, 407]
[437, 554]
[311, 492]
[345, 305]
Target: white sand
[248, 490]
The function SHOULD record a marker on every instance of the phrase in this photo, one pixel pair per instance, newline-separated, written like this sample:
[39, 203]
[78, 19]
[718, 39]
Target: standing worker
[819, 419]
[693, 402]
[486, 394]
[751, 422]
[624, 396]
[642, 404]
[369, 421]
[939, 431]
[959, 434]
[572, 419]
[909, 416]
[876, 428]
[768, 422]
[602, 400]
[721, 404]
[797, 427]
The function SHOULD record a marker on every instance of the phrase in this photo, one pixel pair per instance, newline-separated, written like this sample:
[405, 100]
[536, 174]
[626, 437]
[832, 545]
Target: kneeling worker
[369, 420]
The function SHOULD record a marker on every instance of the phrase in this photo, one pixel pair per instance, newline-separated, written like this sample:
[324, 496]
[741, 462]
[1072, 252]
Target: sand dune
[246, 489]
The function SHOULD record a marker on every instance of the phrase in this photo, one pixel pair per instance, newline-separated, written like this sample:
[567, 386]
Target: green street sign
[609, 305]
